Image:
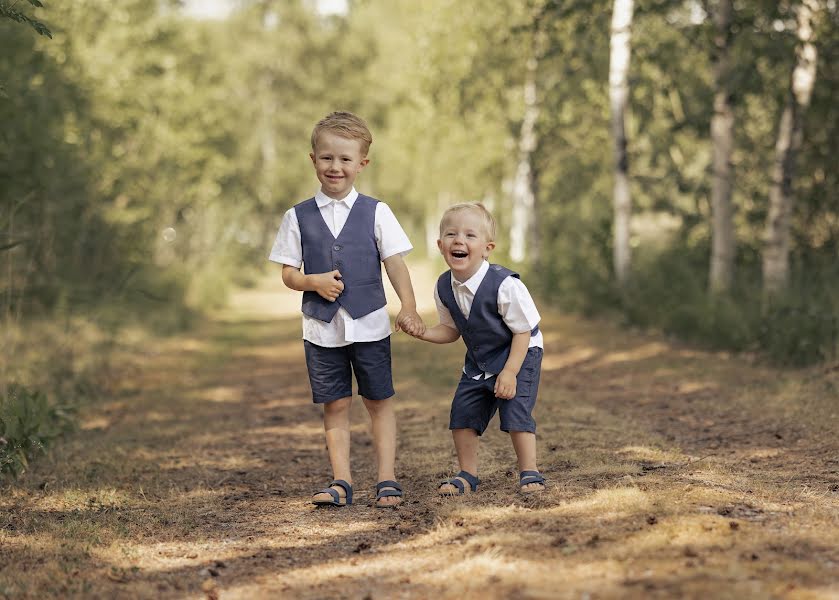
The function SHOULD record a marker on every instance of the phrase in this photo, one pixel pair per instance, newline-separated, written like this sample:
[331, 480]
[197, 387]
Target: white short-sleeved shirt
[390, 239]
[515, 305]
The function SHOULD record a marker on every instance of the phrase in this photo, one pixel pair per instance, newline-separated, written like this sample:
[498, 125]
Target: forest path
[673, 473]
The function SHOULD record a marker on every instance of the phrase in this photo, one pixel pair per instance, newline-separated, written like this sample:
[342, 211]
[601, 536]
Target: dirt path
[674, 474]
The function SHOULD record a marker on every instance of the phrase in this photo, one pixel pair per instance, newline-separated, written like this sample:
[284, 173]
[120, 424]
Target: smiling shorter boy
[493, 311]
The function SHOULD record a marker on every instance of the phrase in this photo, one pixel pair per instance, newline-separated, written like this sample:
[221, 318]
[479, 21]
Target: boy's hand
[328, 285]
[505, 385]
[410, 322]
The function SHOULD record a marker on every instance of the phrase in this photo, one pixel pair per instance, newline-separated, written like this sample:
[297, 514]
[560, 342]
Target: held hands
[410, 322]
[505, 385]
[328, 285]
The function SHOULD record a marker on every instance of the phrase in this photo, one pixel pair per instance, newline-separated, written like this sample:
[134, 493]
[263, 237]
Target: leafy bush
[28, 423]
[669, 292]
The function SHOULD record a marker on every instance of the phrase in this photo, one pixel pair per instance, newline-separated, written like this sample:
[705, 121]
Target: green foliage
[801, 326]
[668, 293]
[28, 423]
[146, 159]
[9, 11]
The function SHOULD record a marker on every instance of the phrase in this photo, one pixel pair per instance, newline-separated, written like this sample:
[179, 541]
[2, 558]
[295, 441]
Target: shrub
[28, 423]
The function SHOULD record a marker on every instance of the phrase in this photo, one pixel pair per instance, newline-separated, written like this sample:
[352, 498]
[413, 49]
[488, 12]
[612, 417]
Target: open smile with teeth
[459, 253]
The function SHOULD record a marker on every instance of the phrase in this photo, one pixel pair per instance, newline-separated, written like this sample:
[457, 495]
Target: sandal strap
[387, 493]
[347, 489]
[456, 483]
[473, 481]
[388, 483]
[528, 477]
[336, 497]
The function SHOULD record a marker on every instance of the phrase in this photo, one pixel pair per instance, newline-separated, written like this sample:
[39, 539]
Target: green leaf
[36, 3]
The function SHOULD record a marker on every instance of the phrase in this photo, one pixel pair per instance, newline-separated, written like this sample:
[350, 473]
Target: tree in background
[618, 100]
[723, 243]
[524, 209]
[790, 132]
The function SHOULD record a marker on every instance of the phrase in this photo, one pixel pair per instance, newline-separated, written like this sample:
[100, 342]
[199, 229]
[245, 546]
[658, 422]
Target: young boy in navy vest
[342, 237]
[491, 308]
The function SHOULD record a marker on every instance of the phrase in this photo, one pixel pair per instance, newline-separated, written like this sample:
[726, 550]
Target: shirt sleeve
[390, 237]
[443, 312]
[287, 248]
[516, 306]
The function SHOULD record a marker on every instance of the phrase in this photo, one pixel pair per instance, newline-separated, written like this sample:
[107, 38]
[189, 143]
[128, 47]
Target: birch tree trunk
[722, 139]
[618, 100]
[523, 218]
[777, 235]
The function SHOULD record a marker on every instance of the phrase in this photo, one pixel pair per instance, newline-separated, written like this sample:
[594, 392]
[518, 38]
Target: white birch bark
[432, 223]
[722, 139]
[790, 132]
[523, 217]
[618, 99]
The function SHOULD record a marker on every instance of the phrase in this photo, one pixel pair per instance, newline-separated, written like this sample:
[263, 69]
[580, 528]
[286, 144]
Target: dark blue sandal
[336, 497]
[528, 477]
[383, 493]
[461, 489]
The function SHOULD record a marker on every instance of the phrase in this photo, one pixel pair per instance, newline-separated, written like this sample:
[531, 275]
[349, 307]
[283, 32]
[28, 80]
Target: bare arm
[505, 383]
[400, 278]
[440, 334]
[327, 285]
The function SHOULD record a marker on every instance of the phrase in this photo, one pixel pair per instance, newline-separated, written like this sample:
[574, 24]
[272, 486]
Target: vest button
[337, 248]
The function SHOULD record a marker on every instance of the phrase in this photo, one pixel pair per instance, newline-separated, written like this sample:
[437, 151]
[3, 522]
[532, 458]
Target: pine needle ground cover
[673, 473]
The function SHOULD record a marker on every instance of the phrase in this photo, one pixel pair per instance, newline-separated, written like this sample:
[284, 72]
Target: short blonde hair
[346, 125]
[480, 209]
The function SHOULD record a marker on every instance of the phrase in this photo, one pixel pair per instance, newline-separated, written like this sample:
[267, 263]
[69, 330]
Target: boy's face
[338, 160]
[465, 243]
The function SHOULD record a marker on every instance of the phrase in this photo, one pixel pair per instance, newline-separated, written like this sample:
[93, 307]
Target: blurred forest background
[669, 162]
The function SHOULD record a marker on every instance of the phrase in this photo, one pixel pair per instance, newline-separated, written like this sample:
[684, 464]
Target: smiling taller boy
[342, 238]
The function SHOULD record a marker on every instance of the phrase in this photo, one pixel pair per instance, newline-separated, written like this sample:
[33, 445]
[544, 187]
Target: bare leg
[336, 423]
[466, 444]
[524, 444]
[383, 421]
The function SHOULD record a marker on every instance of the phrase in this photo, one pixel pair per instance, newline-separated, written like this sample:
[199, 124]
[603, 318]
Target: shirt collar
[323, 200]
[474, 282]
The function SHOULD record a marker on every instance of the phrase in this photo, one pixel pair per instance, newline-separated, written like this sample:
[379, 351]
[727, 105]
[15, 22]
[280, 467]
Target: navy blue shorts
[331, 369]
[475, 403]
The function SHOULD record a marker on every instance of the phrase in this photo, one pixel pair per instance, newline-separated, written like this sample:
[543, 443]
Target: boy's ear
[363, 163]
[489, 248]
[312, 156]
[440, 246]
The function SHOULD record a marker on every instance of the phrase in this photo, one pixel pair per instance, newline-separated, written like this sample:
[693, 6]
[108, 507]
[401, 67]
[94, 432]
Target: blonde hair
[486, 217]
[346, 125]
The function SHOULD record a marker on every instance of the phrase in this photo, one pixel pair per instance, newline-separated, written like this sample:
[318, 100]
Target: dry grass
[673, 474]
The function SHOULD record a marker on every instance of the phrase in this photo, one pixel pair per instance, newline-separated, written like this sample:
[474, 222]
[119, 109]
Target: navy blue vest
[485, 334]
[354, 252]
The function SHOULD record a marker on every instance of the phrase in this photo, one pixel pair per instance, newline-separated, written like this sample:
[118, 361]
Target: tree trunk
[432, 223]
[618, 100]
[523, 218]
[722, 138]
[777, 235]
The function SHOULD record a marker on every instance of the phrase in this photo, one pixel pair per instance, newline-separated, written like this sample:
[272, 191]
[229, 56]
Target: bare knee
[377, 407]
[337, 408]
